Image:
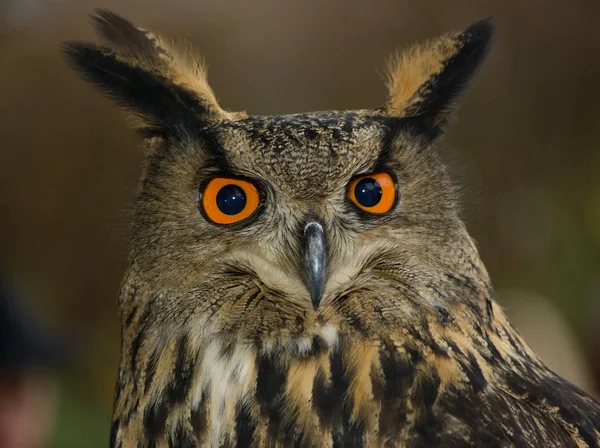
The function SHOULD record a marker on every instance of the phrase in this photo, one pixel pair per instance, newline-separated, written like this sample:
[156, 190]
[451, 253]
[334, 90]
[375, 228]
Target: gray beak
[315, 261]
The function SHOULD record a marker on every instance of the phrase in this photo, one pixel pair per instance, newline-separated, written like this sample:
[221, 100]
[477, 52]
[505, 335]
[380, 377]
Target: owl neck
[221, 390]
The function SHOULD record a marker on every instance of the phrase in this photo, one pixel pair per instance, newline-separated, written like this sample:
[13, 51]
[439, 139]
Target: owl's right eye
[374, 193]
[228, 200]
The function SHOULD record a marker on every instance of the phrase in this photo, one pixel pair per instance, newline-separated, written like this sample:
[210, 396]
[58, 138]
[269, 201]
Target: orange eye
[227, 200]
[374, 193]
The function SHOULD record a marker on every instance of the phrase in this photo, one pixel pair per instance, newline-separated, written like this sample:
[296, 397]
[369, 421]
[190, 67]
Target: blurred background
[525, 148]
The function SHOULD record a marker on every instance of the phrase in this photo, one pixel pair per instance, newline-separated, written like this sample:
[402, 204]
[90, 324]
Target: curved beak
[315, 261]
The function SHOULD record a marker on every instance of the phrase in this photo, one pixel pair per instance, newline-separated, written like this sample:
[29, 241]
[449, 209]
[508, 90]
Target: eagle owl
[306, 280]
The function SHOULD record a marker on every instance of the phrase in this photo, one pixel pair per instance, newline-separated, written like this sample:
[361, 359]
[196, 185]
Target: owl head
[273, 228]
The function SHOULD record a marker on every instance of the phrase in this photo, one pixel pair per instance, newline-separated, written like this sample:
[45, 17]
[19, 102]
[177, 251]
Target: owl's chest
[341, 392]
[355, 394]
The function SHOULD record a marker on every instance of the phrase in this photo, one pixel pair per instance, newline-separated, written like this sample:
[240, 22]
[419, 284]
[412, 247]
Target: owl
[306, 280]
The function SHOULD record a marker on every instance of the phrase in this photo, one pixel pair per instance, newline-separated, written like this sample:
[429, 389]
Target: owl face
[303, 208]
[264, 228]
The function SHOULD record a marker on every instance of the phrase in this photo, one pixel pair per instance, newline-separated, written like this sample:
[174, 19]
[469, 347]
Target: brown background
[525, 148]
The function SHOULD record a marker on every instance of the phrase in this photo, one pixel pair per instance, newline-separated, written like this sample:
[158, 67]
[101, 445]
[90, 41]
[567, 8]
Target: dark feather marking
[455, 349]
[478, 328]
[245, 426]
[328, 402]
[270, 384]
[120, 384]
[318, 346]
[151, 369]
[226, 350]
[251, 298]
[357, 323]
[181, 438]
[215, 149]
[155, 417]
[489, 308]
[415, 355]
[377, 384]
[586, 431]
[399, 375]
[180, 384]
[135, 347]
[426, 392]
[393, 127]
[136, 344]
[113, 433]
[496, 356]
[427, 389]
[327, 397]
[321, 403]
[130, 316]
[517, 347]
[352, 433]
[471, 368]
[125, 419]
[427, 338]
[199, 417]
[445, 318]
[339, 385]
[310, 133]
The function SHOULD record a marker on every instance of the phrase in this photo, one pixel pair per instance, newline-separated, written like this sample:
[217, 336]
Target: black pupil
[368, 192]
[231, 199]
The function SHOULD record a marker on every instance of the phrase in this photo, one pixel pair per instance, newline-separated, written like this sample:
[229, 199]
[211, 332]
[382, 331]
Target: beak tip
[316, 294]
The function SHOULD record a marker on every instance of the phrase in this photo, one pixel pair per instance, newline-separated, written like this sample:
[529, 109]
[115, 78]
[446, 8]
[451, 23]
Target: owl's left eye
[374, 193]
[229, 200]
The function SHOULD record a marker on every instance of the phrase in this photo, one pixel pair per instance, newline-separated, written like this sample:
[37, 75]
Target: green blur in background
[525, 149]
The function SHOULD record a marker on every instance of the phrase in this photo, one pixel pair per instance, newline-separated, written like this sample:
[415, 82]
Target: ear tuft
[162, 83]
[154, 98]
[424, 80]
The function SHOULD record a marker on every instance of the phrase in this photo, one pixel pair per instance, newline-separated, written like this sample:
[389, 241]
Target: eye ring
[374, 193]
[227, 200]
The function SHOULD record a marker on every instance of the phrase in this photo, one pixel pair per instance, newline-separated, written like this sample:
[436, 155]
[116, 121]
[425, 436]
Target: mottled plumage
[313, 322]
